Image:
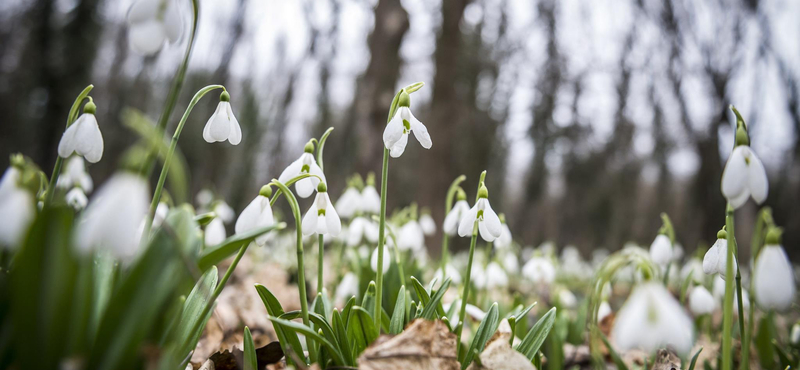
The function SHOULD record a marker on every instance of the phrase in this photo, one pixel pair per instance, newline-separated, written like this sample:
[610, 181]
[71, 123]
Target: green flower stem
[170, 153]
[397, 259]
[320, 281]
[763, 223]
[465, 295]
[381, 239]
[727, 316]
[73, 115]
[448, 205]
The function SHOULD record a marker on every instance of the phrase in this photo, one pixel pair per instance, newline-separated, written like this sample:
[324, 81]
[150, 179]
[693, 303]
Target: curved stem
[381, 239]
[73, 115]
[170, 153]
[180, 76]
[448, 205]
[727, 316]
[321, 145]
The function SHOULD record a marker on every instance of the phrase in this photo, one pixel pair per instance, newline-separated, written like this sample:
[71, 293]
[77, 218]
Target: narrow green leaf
[399, 315]
[618, 360]
[356, 334]
[288, 339]
[368, 302]
[342, 338]
[485, 331]
[310, 334]
[367, 324]
[346, 310]
[782, 355]
[685, 286]
[250, 361]
[422, 294]
[327, 332]
[213, 255]
[694, 358]
[430, 310]
[536, 336]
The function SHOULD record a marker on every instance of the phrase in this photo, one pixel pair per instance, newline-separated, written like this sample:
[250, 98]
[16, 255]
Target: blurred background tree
[591, 117]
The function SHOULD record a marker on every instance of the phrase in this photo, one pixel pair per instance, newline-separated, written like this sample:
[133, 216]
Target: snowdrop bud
[539, 270]
[204, 198]
[603, 311]
[151, 23]
[395, 135]
[773, 277]
[795, 336]
[76, 199]
[370, 199]
[386, 260]
[701, 302]
[265, 191]
[256, 215]
[112, 220]
[428, 224]
[347, 288]
[661, 250]
[652, 319]
[83, 137]
[716, 258]
[744, 176]
[215, 232]
[17, 209]
[321, 217]
[223, 125]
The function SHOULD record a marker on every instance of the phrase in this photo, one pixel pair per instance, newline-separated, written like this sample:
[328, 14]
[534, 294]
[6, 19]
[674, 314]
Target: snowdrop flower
[411, 236]
[112, 220]
[347, 288]
[373, 261]
[322, 218]
[17, 209]
[455, 215]
[539, 270]
[504, 240]
[496, 277]
[488, 222]
[744, 176]
[362, 228]
[349, 202]
[452, 273]
[395, 136]
[215, 232]
[478, 276]
[773, 277]
[718, 288]
[603, 311]
[224, 211]
[716, 258]
[661, 250]
[305, 164]
[677, 252]
[151, 23]
[472, 310]
[204, 197]
[76, 199]
[567, 299]
[75, 175]
[701, 302]
[256, 215]
[370, 199]
[652, 319]
[428, 224]
[694, 267]
[511, 263]
[223, 124]
[83, 136]
[161, 214]
[795, 336]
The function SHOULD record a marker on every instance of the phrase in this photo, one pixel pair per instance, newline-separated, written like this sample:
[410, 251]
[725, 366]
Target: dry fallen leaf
[424, 345]
[498, 354]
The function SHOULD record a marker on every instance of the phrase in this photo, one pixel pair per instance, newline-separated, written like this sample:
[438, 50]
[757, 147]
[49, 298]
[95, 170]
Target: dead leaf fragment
[498, 354]
[424, 345]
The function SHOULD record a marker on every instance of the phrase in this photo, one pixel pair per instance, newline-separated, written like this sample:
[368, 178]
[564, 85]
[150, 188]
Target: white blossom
[411, 236]
[305, 164]
[489, 224]
[567, 299]
[161, 214]
[348, 287]
[321, 217]
[603, 311]
[82, 137]
[453, 217]
[694, 267]
[362, 228]
[76, 199]
[478, 276]
[452, 273]
[511, 263]
[373, 262]
[349, 203]
[794, 337]
[504, 240]
[496, 277]
[17, 209]
[224, 211]
[716, 258]
[75, 175]
[744, 177]
[151, 23]
[370, 200]
[215, 232]
[256, 215]
[661, 250]
[539, 270]
[701, 302]
[395, 135]
[773, 279]
[428, 224]
[223, 125]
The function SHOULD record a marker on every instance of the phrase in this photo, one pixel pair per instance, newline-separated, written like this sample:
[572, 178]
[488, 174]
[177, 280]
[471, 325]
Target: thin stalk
[170, 153]
[319, 263]
[727, 316]
[73, 115]
[397, 259]
[381, 239]
[448, 205]
[465, 295]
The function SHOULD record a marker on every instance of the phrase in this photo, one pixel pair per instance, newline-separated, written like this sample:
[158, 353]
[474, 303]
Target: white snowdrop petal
[661, 250]
[215, 232]
[492, 221]
[220, 125]
[311, 220]
[17, 212]
[235, 136]
[603, 311]
[143, 10]
[305, 187]
[399, 147]
[393, 131]
[711, 259]
[419, 129]
[147, 37]
[773, 279]
[334, 224]
[386, 260]
[757, 179]
[734, 177]
[292, 170]
[485, 233]
[67, 144]
[740, 199]
[249, 216]
[371, 200]
[701, 302]
[88, 139]
[467, 221]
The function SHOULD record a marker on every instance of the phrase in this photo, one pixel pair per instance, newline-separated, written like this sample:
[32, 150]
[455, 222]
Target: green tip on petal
[309, 148]
[224, 96]
[322, 188]
[774, 236]
[483, 192]
[460, 194]
[266, 191]
[90, 108]
[722, 234]
[405, 100]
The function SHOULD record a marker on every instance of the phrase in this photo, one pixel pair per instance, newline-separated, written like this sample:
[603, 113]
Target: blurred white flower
[223, 125]
[362, 228]
[504, 240]
[395, 135]
[428, 224]
[373, 262]
[539, 270]
[76, 199]
[112, 220]
[694, 267]
[478, 276]
[744, 176]
[652, 319]
[511, 263]
[321, 217]
[347, 288]
[411, 236]
[452, 273]
[773, 279]
[489, 224]
[151, 22]
[370, 199]
[795, 335]
[567, 299]
[161, 214]
[453, 217]
[215, 232]
[701, 302]
[83, 137]
[603, 311]
[473, 311]
[17, 209]
[257, 214]
[204, 198]
[661, 250]
[677, 252]
[305, 164]
[714, 262]
[718, 287]
[75, 175]
[349, 202]
[224, 211]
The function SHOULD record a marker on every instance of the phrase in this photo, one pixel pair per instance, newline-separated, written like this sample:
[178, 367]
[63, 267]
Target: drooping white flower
[112, 220]
[714, 262]
[75, 175]
[395, 135]
[504, 240]
[652, 319]
[256, 215]
[321, 217]
[215, 232]
[661, 250]
[496, 277]
[370, 199]
[17, 209]
[452, 273]
[223, 125]
[224, 211]
[305, 164]
[453, 217]
[567, 299]
[773, 279]
[411, 236]
[362, 228]
[677, 252]
[204, 198]
[349, 203]
[511, 263]
[744, 177]
[489, 224]
[718, 287]
[539, 270]
[347, 288]
[694, 267]
[151, 22]
[161, 214]
[603, 311]
[794, 337]
[701, 302]
[428, 224]
[83, 137]
[373, 261]
[478, 276]
[76, 199]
